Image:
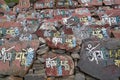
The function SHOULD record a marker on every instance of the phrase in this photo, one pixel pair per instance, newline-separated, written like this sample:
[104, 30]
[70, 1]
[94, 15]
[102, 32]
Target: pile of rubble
[60, 40]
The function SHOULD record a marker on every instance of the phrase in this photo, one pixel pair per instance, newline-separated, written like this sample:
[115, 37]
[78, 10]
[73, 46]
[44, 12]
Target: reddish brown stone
[2, 9]
[58, 65]
[68, 31]
[81, 12]
[108, 2]
[23, 4]
[40, 33]
[47, 4]
[90, 2]
[113, 12]
[17, 57]
[10, 24]
[59, 45]
[117, 2]
[66, 3]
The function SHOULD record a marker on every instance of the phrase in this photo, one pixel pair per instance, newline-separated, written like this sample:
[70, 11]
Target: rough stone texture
[42, 40]
[14, 78]
[34, 77]
[100, 61]
[63, 28]
[112, 43]
[65, 78]
[42, 60]
[43, 50]
[79, 76]
[59, 51]
[14, 64]
[58, 45]
[11, 78]
[89, 78]
[59, 65]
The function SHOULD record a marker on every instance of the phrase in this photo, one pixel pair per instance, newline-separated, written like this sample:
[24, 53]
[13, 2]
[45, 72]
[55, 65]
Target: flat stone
[38, 66]
[112, 44]
[41, 72]
[110, 2]
[17, 57]
[43, 50]
[59, 51]
[34, 77]
[11, 78]
[14, 78]
[55, 41]
[42, 40]
[51, 78]
[100, 59]
[79, 76]
[58, 65]
[66, 4]
[89, 78]
[59, 45]
[30, 71]
[66, 78]
[37, 61]
[75, 56]
[11, 4]
[92, 3]
[42, 60]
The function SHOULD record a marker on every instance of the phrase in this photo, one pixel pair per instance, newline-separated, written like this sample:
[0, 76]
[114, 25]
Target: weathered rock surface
[89, 78]
[11, 78]
[34, 77]
[79, 76]
[65, 78]
[59, 51]
[100, 59]
[16, 58]
[58, 65]
[42, 50]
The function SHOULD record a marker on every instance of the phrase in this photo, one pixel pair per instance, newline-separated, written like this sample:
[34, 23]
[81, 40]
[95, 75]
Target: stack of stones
[60, 40]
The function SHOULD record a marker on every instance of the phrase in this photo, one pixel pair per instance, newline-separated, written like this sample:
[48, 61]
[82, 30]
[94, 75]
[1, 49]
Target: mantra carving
[94, 54]
[25, 57]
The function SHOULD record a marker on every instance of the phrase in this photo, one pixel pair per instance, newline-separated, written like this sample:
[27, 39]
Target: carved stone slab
[17, 57]
[101, 59]
[58, 65]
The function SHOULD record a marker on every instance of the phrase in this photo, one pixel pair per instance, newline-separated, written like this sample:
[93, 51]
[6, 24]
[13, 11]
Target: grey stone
[41, 72]
[34, 77]
[105, 68]
[38, 66]
[42, 60]
[11, 78]
[75, 56]
[79, 76]
[65, 78]
[59, 51]
[43, 50]
[11, 4]
[112, 44]
[89, 78]
[30, 71]
[37, 62]
[42, 40]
